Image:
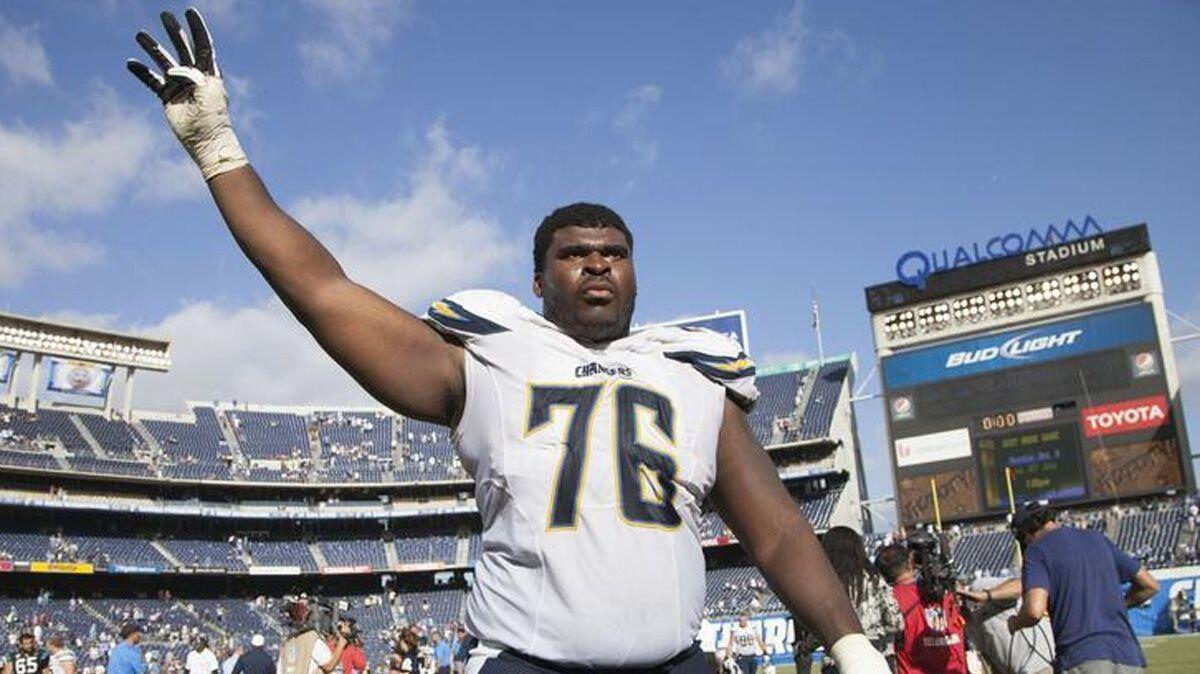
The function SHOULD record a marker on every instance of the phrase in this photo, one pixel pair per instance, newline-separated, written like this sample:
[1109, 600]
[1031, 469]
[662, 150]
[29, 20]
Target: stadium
[990, 474]
[202, 521]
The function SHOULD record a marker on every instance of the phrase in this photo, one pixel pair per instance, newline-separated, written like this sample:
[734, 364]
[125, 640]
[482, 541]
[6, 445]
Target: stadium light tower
[72, 364]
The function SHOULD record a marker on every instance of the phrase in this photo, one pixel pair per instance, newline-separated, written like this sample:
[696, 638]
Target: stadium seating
[354, 553]
[427, 549]
[270, 435]
[822, 401]
[205, 554]
[778, 395]
[1151, 535]
[282, 553]
[988, 553]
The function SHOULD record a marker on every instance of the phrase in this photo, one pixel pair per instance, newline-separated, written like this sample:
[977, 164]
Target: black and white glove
[193, 93]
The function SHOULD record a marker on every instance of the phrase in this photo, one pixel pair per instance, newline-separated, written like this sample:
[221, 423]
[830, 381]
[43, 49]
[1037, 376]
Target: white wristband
[854, 654]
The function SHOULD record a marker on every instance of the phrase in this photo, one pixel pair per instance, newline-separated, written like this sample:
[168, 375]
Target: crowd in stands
[232, 442]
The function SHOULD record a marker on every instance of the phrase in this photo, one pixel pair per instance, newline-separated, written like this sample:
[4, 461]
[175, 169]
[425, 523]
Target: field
[1166, 655]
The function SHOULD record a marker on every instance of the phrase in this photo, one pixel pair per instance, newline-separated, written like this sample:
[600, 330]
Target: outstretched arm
[396, 357]
[780, 541]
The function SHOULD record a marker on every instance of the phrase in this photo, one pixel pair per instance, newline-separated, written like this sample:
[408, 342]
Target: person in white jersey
[201, 659]
[745, 645]
[591, 448]
[62, 659]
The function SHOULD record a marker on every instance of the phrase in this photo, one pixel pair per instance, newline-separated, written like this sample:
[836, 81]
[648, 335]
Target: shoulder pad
[713, 355]
[471, 314]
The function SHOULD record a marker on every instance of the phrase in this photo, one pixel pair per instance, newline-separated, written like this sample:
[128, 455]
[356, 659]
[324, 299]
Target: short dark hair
[1029, 518]
[579, 214]
[891, 561]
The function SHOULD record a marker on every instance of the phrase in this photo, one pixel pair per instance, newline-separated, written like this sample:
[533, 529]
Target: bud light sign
[1096, 332]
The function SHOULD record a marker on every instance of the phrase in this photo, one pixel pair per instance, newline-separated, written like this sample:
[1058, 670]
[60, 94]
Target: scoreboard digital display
[1074, 409]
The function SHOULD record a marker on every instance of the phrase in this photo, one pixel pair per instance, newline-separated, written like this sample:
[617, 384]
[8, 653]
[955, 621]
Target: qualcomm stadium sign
[915, 266]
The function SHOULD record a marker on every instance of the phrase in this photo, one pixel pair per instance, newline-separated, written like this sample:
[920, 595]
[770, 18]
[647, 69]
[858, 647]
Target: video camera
[935, 569]
[304, 613]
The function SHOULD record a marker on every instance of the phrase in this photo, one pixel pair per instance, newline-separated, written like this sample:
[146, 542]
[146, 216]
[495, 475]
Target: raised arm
[780, 541]
[395, 356]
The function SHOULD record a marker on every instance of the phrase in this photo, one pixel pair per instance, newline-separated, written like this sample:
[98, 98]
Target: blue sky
[761, 152]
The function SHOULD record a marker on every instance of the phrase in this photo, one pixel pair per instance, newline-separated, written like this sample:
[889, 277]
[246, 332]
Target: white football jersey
[590, 467]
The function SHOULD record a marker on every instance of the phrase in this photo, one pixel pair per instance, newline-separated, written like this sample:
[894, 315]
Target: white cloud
[776, 60]
[772, 60]
[22, 58]
[634, 150]
[81, 167]
[422, 242]
[350, 33]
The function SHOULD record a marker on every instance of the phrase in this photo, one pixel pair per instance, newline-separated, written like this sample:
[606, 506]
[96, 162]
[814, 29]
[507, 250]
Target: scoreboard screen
[1074, 410]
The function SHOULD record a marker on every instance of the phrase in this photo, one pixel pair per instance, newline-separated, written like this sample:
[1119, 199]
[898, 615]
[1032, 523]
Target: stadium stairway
[99, 616]
[214, 628]
[319, 556]
[87, 436]
[462, 554]
[231, 441]
[162, 550]
[148, 438]
[389, 551]
[60, 457]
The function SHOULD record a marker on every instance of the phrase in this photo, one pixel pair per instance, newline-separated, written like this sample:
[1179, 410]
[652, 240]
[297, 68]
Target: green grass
[1173, 654]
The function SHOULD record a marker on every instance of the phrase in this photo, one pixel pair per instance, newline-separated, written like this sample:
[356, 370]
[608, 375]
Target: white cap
[257, 640]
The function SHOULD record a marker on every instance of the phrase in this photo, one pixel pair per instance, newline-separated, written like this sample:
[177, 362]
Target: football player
[591, 448]
[28, 658]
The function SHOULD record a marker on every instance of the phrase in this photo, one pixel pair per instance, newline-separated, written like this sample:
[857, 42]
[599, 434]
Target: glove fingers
[206, 54]
[155, 50]
[175, 32]
[180, 82]
[151, 79]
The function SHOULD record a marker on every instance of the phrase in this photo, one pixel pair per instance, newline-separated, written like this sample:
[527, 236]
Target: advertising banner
[77, 377]
[732, 324]
[1125, 416]
[128, 568]
[776, 629]
[1024, 346]
[60, 567]
[933, 447]
[1155, 616]
[274, 571]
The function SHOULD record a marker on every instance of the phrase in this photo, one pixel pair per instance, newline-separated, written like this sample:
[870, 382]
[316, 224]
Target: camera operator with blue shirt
[1075, 575]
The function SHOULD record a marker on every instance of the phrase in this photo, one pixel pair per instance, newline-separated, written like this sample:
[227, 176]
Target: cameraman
[933, 640]
[1075, 576]
[354, 660]
[305, 650]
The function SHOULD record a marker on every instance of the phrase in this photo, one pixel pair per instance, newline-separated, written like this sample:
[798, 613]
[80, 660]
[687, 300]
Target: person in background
[871, 597]
[745, 645]
[442, 653]
[934, 637]
[1075, 576]
[462, 652]
[201, 659]
[126, 656]
[26, 658]
[233, 651]
[354, 660]
[62, 659]
[256, 660]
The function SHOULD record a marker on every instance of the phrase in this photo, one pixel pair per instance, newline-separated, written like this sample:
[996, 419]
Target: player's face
[27, 644]
[587, 285]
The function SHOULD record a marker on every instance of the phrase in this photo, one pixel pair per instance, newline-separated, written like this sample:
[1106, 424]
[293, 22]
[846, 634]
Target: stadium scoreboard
[1051, 367]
